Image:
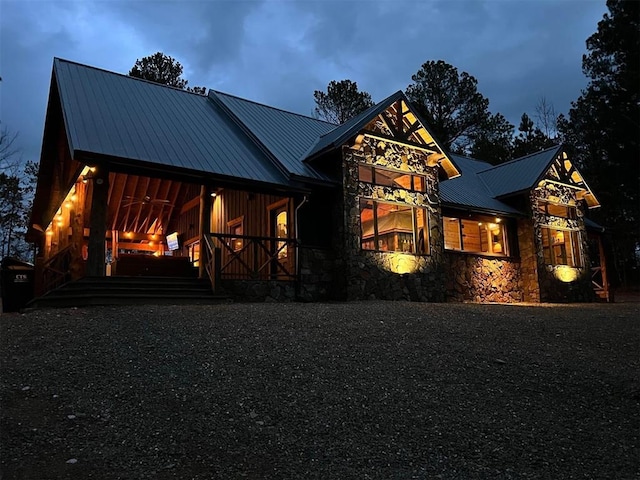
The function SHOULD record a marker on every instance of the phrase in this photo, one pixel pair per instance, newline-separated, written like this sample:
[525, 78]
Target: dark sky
[278, 52]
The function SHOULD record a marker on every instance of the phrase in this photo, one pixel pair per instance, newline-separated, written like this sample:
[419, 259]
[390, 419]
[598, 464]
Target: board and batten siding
[254, 210]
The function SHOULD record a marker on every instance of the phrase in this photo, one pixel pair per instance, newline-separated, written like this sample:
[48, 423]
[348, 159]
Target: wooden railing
[255, 258]
[56, 271]
[210, 256]
[599, 284]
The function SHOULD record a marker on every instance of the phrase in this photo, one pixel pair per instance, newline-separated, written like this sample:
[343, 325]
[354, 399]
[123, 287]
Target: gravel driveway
[375, 390]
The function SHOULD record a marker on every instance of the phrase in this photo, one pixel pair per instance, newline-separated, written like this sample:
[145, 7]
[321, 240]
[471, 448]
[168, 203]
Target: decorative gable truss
[563, 171]
[398, 125]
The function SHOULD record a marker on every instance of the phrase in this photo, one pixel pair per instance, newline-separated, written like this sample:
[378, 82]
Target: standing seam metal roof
[115, 115]
[519, 174]
[286, 135]
[469, 191]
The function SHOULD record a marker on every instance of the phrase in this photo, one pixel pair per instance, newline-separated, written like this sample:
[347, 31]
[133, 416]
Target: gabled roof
[285, 135]
[115, 115]
[526, 173]
[520, 174]
[468, 191]
[341, 134]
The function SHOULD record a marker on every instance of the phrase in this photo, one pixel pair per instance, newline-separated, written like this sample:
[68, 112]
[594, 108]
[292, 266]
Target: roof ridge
[272, 107]
[515, 160]
[104, 70]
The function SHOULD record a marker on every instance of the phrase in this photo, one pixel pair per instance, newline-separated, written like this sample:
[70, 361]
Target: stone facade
[474, 278]
[561, 283]
[528, 261]
[390, 275]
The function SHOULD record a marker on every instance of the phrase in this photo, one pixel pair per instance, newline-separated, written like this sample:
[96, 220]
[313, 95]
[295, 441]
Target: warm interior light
[49, 233]
[214, 194]
[498, 220]
[566, 274]
[92, 169]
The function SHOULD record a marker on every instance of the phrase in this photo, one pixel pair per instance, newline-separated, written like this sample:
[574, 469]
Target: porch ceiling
[142, 204]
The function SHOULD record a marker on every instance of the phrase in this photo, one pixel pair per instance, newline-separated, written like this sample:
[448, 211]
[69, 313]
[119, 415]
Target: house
[142, 179]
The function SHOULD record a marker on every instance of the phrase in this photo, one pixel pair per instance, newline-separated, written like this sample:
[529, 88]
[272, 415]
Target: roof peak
[515, 160]
[118, 74]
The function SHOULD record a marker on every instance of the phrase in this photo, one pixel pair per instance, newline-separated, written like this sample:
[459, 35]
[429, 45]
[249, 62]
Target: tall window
[561, 247]
[485, 235]
[236, 227]
[391, 178]
[393, 227]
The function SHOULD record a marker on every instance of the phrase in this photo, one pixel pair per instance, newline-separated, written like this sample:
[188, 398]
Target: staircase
[130, 291]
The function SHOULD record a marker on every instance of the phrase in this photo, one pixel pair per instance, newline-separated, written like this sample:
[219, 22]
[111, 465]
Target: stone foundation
[471, 278]
[394, 276]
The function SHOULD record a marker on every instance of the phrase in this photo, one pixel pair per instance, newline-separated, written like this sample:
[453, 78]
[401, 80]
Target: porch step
[130, 291]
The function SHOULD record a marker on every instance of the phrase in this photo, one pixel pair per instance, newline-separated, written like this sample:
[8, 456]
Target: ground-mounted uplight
[566, 274]
[398, 262]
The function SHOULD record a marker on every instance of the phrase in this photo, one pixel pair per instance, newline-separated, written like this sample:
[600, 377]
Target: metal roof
[286, 135]
[469, 191]
[520, 174]
[120, 116]
[341, 133]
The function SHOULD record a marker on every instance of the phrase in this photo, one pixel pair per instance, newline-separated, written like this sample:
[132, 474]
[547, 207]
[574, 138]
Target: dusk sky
[278, 52]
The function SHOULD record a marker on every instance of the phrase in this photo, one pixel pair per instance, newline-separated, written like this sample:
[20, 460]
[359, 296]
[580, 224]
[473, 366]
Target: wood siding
[255, 210]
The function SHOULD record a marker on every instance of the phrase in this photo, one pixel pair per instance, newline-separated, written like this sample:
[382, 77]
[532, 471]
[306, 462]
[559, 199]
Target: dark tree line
[602, 127]
[456, 113]
[163, 69]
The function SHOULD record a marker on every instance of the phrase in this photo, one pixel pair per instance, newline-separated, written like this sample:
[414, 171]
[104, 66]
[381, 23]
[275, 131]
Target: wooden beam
[194, 202]
[204, 227]
[98, 226]
[132, 183]
[406, 143]
[77, 232]
[144, 188]
[154, 187]
[116, 202]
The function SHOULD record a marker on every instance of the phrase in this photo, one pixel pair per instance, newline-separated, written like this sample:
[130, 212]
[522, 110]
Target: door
[282, 256]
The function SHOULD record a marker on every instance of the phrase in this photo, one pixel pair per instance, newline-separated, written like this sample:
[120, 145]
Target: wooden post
[603, 270]
[98, 225]
[77, 232]
[204, 227]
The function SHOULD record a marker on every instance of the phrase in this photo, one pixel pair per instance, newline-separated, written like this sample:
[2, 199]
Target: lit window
[561, 247]
[236, 227]
[485, 235]
[557, 210]
[393, 227]
[391, 178]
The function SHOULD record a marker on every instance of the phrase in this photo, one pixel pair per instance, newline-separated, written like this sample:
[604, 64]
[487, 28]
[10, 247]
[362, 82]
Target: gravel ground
[376, 390]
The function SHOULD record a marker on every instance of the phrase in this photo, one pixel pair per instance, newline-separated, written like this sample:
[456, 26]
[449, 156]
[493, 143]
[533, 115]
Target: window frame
[236, 244]
[571, 211]
[415, 240]
[412, 178]
[485, 233]
[575, 249]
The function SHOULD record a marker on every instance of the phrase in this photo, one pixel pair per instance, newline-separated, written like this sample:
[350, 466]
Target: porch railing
[255, 258]
[599, 284]
[211, 259]
[56, 271]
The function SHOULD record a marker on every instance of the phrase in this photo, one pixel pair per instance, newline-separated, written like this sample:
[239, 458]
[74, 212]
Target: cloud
[278, 52]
